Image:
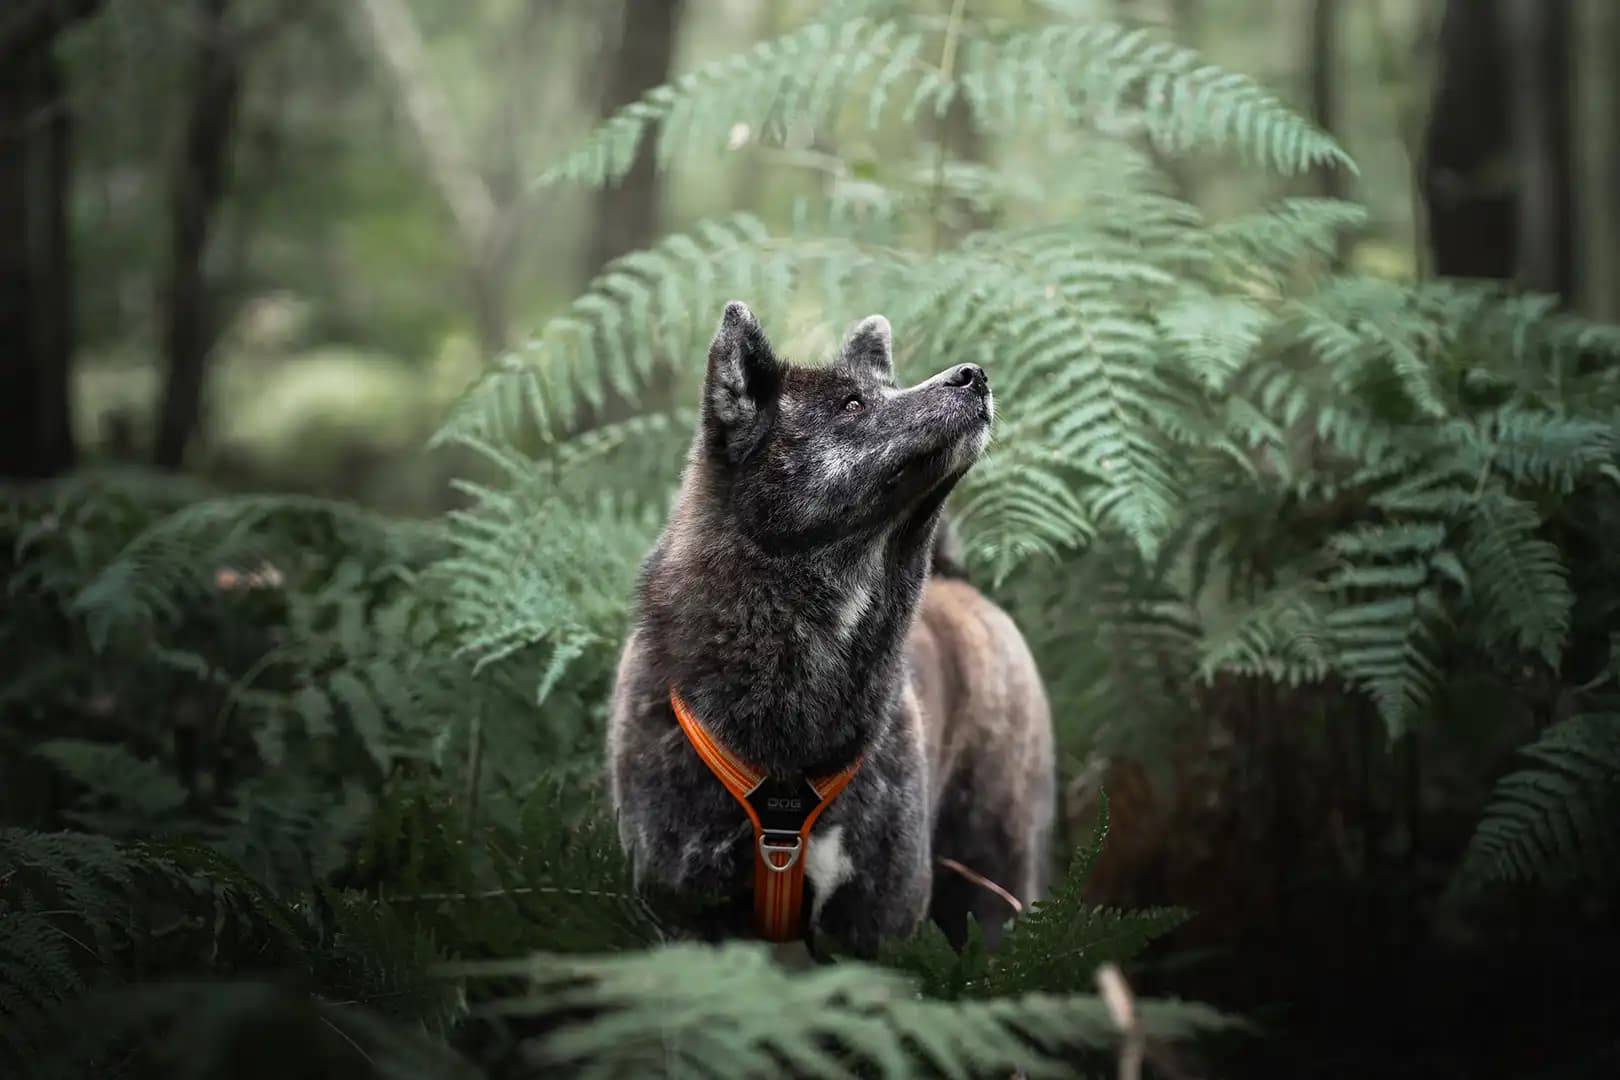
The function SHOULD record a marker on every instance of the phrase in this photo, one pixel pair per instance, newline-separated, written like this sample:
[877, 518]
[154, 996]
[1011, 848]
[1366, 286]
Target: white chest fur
[826, 865]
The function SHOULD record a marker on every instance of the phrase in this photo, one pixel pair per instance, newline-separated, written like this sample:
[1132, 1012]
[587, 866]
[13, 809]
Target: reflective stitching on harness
[779, 844]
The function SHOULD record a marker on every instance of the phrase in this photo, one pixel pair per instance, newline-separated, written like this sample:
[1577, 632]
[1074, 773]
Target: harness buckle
[778, 842]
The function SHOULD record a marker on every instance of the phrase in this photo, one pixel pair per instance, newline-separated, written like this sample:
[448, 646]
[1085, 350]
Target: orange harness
[782, 811]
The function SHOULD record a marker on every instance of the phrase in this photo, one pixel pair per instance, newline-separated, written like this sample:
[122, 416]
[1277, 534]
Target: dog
[805, 608]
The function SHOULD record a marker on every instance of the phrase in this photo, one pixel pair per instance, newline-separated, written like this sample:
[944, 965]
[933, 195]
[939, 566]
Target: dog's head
[806, 456]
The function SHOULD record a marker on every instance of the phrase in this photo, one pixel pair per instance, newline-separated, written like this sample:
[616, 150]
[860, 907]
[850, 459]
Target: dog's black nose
[970, 375]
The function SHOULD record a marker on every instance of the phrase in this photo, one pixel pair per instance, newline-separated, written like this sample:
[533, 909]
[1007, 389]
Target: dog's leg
[886, 895]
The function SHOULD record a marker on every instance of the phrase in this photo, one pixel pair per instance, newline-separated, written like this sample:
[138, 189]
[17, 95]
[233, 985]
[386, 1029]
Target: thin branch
[1121, 1005]
[1136, 1046]
[350, 1040]
[980, 879]
[399, 44]
[475, 763]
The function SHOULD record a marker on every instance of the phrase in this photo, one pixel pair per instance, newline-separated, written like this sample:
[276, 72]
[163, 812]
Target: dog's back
[988, 736]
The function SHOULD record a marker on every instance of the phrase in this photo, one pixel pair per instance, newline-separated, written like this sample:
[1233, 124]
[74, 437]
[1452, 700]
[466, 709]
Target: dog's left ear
[870, 343]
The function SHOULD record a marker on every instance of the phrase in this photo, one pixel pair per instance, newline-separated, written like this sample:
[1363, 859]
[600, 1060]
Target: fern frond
[1388, 626]
[175, 561]
[569, 879]
[1520, 585]
[1091, 397]
[797, 80]
[1213, 337]
[287, 834]
[647, 310]
[140, 792]
[1377, 341]
[71, 906]
[1555, 452]
[532, 568]
[1281, 237]
[1283, 637]
[375, 959]
[1058, 944]
[1014, 509]
[1112, 75]
[1551, 823]
[730, 1012]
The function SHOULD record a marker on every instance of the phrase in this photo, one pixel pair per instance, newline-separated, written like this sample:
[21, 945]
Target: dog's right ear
[743, 379]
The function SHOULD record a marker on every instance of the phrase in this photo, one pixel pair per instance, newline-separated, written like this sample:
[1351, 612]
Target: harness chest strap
[782, 811]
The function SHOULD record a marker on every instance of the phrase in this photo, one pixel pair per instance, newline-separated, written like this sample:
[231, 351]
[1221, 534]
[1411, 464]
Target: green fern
[1107, 73]
[177, 559]
[1058, 944]
[793, 81]
[62, 899]
[73, 907]
[1521, 592]
[729, 1011]
[1112, 75]
[122, 793]
[1551, 823]
[1283, 637]
[1055, 947]
[1231, 461]
[533, 567]
[647, 310]
[1090, 445]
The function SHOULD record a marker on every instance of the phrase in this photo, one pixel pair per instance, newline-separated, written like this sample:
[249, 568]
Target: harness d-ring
[769, 846]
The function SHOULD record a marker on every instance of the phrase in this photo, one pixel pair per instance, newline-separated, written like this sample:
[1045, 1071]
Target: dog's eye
[853, 405]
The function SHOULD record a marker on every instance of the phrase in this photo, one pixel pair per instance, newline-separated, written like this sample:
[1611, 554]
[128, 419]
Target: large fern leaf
[1551, 823]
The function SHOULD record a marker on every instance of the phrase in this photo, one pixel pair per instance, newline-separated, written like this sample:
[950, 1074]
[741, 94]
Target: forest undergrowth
[284, 780]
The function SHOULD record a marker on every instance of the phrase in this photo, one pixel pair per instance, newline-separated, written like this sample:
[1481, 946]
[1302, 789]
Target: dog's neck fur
[790, 659]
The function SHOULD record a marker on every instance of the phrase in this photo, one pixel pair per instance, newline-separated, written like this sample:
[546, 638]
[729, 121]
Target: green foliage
[78, 908]
[798, 79]
[1550, 824]
[730, 1012]
[315, 737]
[337, 825]
[1053, 948]
[1058, 944]
[1243, 464]
[1322, 477]
[528, 571]
[1107, 74]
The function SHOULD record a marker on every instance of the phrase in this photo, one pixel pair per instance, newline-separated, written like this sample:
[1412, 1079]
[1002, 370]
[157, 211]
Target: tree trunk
[1322, 47]
[627, 213]
[1472, 228]
[486, 239]
[1598, 137]
[202, 173]
[1323, 50]
[1497, 169]
[1538, 48]
[36, 292]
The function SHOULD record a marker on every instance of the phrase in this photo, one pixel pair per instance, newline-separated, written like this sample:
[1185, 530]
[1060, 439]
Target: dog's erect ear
[744, 375]
[870, 343]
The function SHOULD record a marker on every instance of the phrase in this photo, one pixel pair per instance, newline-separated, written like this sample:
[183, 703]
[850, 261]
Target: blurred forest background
[1306, 499]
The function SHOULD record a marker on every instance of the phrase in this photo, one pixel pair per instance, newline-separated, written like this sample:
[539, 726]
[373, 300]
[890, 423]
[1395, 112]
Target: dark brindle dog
[796, 605]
